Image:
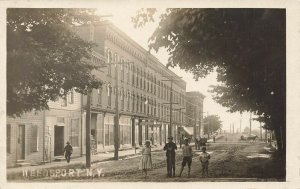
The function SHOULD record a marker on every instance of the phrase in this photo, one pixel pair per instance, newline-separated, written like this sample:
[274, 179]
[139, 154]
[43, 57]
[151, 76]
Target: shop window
[111, 134]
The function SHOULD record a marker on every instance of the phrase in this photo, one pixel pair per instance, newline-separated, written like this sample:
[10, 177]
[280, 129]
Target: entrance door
[21, 143]
[58, 140]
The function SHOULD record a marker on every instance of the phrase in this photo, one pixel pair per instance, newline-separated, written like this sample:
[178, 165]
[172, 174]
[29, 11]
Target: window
[128, 78]
[133, 72]
[122, 70]
[8, 138]
[109, 60]
[116, 59]
[74, 133]
[122, 99]
[133, 102]
[71, 97]
[154, 107]
[109, 91]
[141, 109]
[128, 100]
[34, 138]
[158, 110]
[137, 103]
[64, 101]
[145, 105]
[99, 94]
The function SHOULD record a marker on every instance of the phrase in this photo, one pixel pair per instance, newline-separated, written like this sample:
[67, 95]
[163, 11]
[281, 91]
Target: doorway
[21, 143]
[58, 140]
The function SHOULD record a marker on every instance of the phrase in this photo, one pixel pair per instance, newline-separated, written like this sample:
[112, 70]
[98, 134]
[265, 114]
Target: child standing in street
[146, 161]
[204, 159]
[187, 153]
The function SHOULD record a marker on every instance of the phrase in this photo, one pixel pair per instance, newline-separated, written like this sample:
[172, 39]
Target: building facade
[143, 86]
[194, 106]
[40, 136]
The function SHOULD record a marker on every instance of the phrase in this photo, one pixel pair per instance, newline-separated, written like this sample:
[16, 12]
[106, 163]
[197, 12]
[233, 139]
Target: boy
[68, 151]
[170, 148]
[204, 157]
[187, 153]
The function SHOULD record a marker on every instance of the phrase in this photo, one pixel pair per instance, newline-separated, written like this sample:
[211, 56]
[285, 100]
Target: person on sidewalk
[170, 148]
[204, 159]
[146, 161]
[68, 150]
[187, 154]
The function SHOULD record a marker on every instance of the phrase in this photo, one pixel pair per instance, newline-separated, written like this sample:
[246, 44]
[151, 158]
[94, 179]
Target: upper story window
[99, 94]
[109, 61]
[64, 101]
[71, 97]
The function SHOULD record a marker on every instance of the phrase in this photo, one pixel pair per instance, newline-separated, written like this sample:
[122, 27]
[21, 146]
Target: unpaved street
[230, 160]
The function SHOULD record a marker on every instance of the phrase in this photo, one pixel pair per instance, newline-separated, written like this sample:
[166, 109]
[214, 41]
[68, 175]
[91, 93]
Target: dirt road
[230, 161]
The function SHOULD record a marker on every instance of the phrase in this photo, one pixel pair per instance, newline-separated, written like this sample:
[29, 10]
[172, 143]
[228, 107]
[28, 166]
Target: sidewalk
[80, 161]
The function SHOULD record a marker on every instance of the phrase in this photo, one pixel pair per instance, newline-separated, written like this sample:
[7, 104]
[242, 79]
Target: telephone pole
[88, 130]
[250, 121]
[117, 126]
[171, 79]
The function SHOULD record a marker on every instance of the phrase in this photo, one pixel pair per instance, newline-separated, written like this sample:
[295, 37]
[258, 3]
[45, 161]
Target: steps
[59, 158]
[22, 163]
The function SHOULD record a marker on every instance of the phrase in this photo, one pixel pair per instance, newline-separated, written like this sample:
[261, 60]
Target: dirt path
[238, 161]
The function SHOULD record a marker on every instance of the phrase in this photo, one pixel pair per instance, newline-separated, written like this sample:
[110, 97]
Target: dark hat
[170, 137]
[147, 141]
[68, 142]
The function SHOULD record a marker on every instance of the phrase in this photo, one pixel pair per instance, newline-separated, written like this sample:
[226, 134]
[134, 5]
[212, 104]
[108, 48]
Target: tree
[45, 57]
[212, 123]
[247, 48]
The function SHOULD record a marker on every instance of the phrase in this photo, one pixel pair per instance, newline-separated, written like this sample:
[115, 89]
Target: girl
[146, 161]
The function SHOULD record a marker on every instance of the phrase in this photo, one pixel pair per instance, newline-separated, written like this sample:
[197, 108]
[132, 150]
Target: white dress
[146, 161]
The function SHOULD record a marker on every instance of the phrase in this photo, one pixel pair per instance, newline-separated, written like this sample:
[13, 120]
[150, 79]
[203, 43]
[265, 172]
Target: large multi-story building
[144, 89]
[143, 86]
[194, 112]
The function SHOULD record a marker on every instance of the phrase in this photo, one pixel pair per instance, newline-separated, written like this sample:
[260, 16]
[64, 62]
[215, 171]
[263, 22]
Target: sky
[121, 17]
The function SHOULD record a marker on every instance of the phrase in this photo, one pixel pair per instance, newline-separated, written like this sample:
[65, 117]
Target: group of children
[170, 147]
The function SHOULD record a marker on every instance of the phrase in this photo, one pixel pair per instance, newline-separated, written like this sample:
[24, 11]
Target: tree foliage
[247, 47]
[212, 123]
[45, 57]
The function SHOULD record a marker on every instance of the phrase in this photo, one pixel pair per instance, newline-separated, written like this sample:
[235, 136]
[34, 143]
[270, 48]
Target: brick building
[143, 93]
[194, 112]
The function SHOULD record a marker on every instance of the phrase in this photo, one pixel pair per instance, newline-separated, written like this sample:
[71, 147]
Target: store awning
[188, 130]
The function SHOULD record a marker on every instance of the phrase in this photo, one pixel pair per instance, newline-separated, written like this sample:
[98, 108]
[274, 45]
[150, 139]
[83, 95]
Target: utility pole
[116, 127]
[171, 108]
[250, 121]
[233, 128]
[171, 79]
[88, 130]
[195, 128]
